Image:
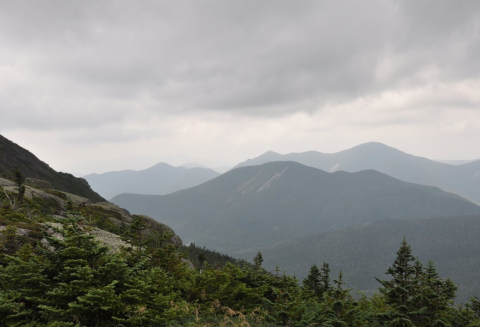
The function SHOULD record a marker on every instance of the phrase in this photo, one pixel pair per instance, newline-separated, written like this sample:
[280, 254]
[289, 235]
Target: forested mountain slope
[159, 179]
[461, 179]
[256, 206]
[13, 155]
[365, 251]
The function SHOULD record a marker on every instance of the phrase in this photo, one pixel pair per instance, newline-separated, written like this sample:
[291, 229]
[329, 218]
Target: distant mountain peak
[270, 154]
[161, 178]
[388, 160]
[375, 146]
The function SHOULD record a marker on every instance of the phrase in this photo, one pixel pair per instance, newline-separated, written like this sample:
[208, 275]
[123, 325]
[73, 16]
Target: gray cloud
[105, 66]
[245, 56]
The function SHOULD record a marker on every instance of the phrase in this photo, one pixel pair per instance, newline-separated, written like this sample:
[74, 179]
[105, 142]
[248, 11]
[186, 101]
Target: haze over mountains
[255, 206]
[218, 169]
[461, 179]
[161, 178]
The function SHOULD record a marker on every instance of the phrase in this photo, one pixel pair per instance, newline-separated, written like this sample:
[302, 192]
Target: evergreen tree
[258, 260]
[418, 296]
[19, 179]
[400, 289]
[474, 306]
[326, 286]
[201, 259]
[137, 231]
[312, 284]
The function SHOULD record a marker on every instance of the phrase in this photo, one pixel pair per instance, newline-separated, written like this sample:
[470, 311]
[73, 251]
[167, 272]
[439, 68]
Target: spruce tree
[326, 286]
[399, 290]
[311, 283]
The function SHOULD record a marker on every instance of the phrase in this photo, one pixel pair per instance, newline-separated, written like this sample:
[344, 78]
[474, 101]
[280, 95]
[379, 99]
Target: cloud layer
[240, 77]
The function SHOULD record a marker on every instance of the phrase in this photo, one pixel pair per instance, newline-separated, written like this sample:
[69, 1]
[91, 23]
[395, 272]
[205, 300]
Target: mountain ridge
[160, 178]
[14, 156]
[259, 205]
[462, 179]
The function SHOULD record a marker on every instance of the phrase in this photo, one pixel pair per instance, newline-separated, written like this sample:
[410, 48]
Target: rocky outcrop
[38, 183]
[5, 182]
[14, 156]
[120, 216]
[112, 241]
[110, 211]
[31, 192]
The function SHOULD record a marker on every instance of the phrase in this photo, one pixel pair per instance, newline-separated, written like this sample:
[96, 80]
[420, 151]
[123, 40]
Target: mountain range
[294, 214]
[255, 206]
[461, 179]
[161, 178]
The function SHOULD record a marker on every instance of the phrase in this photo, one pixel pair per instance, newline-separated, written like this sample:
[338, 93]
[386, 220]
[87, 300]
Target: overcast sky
[94, 86]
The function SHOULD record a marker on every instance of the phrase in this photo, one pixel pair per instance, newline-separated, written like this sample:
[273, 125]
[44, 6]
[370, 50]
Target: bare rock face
[31, 192]
[38, 183]
[6, 182]
[188, 263]
[76, 199]
[120, 216]
[112, 241]
[113, 213]
[162, 228]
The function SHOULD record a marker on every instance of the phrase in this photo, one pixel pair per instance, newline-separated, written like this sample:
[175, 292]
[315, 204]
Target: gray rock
[38, 183]
[6, 182]
[188, 263]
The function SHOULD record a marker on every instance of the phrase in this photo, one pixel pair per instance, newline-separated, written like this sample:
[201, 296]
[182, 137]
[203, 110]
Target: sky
[95, 86]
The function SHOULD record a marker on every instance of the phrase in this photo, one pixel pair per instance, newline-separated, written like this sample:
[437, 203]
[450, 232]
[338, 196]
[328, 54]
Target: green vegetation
[54, 271]
[74, 281]
[365, 250]
[60, 275]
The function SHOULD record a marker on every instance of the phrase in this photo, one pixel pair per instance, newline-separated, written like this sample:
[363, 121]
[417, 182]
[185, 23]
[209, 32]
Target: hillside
[57, 270]
[159, 179]
[13, 155]
[461, 179]
[256, 206]
[365, 251]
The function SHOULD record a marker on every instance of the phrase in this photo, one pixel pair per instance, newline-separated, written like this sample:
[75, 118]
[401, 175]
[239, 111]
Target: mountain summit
[463, 179]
